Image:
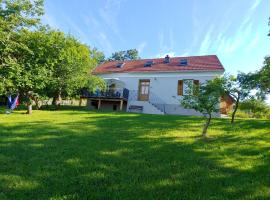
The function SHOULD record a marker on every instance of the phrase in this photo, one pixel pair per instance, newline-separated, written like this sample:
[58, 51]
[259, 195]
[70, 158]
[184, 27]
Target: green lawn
[73, 154]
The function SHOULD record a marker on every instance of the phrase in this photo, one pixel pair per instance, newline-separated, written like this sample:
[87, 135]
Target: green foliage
[131, 54]
[15, 16]
[260, 80]
[72, 66]
[207, 99]
[269, 25]
[73, 154]
[18, 14]
[263, 75]
[238, 87]
[241, 114]
[255, 108]
[37, 60]
[98, 56]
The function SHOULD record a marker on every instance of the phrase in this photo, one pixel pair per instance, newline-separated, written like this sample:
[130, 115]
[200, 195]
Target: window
[145, 87]
[180, 87]
[188, 87]
[185, 87]
[183, 62]
[148, 63]
[120, 65]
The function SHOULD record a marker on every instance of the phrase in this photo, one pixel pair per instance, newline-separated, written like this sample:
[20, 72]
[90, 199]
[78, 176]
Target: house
[154, 86]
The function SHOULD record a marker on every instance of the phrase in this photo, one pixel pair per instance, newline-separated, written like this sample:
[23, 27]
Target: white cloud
[50, 20]
[239, 41]
[99, 33]
[207, 41]
[254, 42]
[78, 30]
[166, 40]
[104, 43]
[184, 54]
[162, 55]
[109, 14]
[250, 12]
[255, 4]
[141, 47]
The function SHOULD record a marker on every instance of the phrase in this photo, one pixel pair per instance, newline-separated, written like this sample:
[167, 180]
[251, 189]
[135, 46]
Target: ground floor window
[186, 86]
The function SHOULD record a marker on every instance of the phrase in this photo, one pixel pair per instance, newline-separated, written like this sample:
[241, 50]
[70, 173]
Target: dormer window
[148, 63]
[120, 65]
[183, 62]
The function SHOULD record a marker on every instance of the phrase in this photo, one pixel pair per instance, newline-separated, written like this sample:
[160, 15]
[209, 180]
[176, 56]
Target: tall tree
[238, 88]
[32, 68]
[260, 80]
[206, 100]
[98, 56]
[73, 63]
[131, 54]
[15, 17]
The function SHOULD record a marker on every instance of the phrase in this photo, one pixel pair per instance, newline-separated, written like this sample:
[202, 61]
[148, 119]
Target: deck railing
[112, 94]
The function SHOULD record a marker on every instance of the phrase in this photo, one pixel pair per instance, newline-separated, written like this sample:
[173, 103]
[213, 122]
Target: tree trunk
[37, 103]
[29, 96]
[57, 100]
[206, 125]
[235, 108]
[29, 109]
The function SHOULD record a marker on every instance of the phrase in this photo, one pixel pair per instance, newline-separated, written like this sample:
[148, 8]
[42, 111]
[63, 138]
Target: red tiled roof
[195, 63]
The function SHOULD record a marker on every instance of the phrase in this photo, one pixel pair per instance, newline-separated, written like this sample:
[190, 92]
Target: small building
[154, 86]
[226, 104]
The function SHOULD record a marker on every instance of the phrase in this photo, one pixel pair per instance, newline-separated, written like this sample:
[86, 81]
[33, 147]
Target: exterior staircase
[153, 106]
[147, 107]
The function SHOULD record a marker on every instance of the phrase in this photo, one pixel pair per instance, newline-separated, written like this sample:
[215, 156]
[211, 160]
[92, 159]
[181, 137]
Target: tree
[260, 81]
[98, 56]
[30, 73]
[71, 71]
[206, 100]
[15, 17]
[261, 78]
[131, 54]
[238, 88]
[269, 25]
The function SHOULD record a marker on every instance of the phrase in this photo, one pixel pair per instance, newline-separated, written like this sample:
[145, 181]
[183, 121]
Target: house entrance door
[144, 86]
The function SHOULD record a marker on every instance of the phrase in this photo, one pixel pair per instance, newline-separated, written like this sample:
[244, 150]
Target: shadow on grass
[129, 156]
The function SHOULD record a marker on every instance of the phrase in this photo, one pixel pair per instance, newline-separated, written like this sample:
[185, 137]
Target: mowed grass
[77, 154]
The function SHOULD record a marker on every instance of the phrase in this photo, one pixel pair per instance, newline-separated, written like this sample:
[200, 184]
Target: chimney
[167, 59]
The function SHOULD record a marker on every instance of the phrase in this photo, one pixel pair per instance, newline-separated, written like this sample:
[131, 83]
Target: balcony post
[121, 105]
[80, 103]
[99, 103]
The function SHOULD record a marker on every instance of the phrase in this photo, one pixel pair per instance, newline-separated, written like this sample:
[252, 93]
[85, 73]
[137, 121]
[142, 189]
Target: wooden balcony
[118, 95]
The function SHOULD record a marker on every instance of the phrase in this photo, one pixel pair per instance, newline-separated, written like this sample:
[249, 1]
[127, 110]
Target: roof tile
[195, 63]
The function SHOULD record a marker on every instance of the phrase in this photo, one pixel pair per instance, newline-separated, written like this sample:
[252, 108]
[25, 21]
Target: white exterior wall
[164, 85]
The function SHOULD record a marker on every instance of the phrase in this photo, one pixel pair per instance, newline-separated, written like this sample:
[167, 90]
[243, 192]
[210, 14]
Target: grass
[77, 154]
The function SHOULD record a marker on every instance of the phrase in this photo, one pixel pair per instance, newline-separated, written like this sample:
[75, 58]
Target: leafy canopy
[15, 17]
[131, 54]
[207, 98]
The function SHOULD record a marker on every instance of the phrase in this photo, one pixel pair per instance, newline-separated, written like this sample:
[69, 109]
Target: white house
[153, 86]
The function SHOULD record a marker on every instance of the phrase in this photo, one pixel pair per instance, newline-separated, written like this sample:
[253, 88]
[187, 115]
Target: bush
[253, 108]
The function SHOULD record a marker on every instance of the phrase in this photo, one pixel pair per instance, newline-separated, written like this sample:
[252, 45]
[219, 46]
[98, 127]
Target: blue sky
[236, 31]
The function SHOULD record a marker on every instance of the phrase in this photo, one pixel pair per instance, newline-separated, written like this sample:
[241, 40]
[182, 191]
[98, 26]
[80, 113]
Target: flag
[15, 102]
